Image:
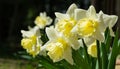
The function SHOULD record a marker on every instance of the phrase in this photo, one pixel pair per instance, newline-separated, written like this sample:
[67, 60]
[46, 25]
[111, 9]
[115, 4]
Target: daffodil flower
[92, 49]
[66, 21]
[31, 41]
[110, 21]
[90, 25]
[58, 46]
[65, 24]
[43, 20]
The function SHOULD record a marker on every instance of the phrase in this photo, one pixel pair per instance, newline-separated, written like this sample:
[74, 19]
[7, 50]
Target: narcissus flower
[66, 21]
[90, 26]
[58, 46]
[65, 24]
[31, 41]
[92, 49]
[43, 20]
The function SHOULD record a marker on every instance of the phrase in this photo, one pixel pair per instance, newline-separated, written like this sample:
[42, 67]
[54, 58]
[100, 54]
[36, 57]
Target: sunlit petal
[62, 16]
[68, 55]
[91, 12]
[79, 14]
[71, 9]
[51, 33]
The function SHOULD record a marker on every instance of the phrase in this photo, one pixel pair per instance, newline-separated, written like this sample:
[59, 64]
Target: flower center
[92, 49]
[27, 43]
[86, 27]
[56, 49]
[65, 26]
[40, 21]
[30, 45]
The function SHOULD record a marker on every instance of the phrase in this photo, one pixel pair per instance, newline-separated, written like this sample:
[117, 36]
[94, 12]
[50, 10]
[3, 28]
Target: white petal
[26, 33]
[61, 16]
[102, 26]
[80, 42]
[79, 14]
[111, 32]
[113, 20]
[71, 9]
[91, 13]
[99, 36]
[74, 43]
[68, 55]
[74, 29]
[49, 21]
[44, 47]
[32, 31]
[39, 42]
[110, 21]
[43, 14]
[51, 33]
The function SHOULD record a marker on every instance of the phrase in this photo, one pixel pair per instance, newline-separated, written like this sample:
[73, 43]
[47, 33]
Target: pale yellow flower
[92, 49]
[66, 21]
[31, 41]
[58, 46]
[43, 20]
[90, 25]
[65, 24]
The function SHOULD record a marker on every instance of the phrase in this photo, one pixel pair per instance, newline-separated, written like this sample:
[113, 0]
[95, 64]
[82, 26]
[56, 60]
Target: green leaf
[108, 40]
[104, 57]
[114, 53]
[66, 65]
[47, 63]
[98, 56]
[80, 62]
[86, 55]
[93, 62]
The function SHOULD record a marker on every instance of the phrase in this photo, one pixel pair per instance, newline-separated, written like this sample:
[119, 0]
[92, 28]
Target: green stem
[86, 53]
[80, 62]
[108, 41]
[104, 56]
[98, 55]
[114, 53]
[47, 63]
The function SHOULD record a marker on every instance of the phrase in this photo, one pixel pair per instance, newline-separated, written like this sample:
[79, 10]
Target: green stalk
[86, 55]
[47, 64]
[108, 41]
[104, 56]
[66, 65]
[93, 60]
[98, 55]
[114, 53]
[80, 62]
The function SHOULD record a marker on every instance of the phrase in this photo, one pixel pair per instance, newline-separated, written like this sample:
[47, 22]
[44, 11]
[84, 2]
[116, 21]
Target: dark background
[18, 14]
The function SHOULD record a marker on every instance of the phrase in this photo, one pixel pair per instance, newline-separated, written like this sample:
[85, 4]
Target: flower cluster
[71, 29]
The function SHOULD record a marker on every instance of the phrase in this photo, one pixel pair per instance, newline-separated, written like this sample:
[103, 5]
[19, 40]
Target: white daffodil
[65, 24]
[90, 26]
[58, 46]
[110, 21]
[43, 20]
[66, 21]
[31, 41]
